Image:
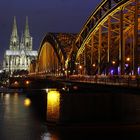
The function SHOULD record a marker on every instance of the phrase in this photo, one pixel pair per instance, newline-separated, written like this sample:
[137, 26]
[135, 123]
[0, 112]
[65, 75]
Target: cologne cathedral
[20, 53]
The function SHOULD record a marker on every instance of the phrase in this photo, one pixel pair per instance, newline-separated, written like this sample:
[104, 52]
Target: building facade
[20, 53]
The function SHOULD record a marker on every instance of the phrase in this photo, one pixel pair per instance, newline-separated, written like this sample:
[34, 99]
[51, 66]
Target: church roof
[19, 53]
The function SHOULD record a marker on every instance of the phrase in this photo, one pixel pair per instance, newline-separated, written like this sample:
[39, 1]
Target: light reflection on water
[17, 121]
[53, 105]
[49, 136]
[27, 102]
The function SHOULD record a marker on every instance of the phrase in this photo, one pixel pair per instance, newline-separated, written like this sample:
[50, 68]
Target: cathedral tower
[14, 41]
[27, 39]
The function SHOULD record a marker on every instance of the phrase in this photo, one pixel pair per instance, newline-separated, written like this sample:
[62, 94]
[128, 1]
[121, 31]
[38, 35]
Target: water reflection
[53, 105]
[27, 102]
[49, 136]
[16, 120]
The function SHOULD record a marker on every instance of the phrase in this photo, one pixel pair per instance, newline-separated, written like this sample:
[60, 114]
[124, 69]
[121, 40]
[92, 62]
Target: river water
[23, 118]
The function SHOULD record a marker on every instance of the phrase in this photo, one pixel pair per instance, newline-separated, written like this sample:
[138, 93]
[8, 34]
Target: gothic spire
[14, 31]
[26, 32]
[14, 41]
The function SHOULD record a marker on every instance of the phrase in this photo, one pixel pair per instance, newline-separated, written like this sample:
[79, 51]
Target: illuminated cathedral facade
[20, 53]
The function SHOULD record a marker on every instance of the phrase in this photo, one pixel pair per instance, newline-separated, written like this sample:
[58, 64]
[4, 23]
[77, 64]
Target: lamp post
[93, 70]
[113, 67]
[80, 68]
[128, 69]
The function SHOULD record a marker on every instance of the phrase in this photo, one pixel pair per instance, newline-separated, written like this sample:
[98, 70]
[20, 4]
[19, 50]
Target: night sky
[44, 16]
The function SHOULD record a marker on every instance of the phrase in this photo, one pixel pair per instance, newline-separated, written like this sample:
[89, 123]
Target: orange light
[16, 83]
[80, 67]
[27, 82]
[53, 105]
[113, 62]
[93, 65]
[128, 59]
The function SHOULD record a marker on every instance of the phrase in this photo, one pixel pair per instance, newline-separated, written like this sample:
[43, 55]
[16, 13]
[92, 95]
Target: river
[23, 118]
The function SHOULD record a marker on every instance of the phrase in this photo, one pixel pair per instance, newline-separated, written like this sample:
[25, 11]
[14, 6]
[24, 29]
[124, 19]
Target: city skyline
[44, 16]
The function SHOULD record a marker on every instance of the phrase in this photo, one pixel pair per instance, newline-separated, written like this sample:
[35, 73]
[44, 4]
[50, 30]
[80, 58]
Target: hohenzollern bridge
[108, 44]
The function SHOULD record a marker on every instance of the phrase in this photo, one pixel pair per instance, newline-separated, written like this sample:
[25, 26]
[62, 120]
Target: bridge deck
[121, 81]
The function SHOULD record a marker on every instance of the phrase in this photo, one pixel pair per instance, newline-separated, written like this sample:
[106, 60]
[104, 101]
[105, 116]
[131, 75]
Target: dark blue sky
[44, 16]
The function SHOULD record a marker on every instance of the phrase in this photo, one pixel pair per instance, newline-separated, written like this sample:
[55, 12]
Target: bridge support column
[121, 46]
[99, 50]
[85, 61]
[109, 45]
[131, 55]
[136, 51]
[92, 54]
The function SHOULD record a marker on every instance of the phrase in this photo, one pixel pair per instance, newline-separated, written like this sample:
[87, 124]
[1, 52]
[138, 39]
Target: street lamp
[80, 68]
[113, 62]
[93, 65]
[128, 59]
[127, 65]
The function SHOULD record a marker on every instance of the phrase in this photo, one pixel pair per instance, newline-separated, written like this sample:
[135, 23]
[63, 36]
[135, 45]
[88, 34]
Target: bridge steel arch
[110, 40]
[51, 58]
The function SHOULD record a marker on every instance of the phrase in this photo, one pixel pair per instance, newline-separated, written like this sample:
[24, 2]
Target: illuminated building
[20, 53]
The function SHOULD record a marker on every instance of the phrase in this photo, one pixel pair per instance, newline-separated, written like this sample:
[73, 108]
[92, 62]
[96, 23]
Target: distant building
[20, 53]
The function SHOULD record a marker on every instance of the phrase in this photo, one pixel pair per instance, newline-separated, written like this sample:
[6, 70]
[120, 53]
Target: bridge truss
[51, 57]
[109, 42]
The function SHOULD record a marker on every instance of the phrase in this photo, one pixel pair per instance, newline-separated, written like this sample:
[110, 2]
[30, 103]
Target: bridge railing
[123, 80]
[120, 80]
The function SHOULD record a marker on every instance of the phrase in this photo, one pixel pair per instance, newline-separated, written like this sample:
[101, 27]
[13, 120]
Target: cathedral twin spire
[26, 32]
[14, 32]
[26, 39]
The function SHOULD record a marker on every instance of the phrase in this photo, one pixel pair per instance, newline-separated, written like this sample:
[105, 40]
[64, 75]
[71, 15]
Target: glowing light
[128, 59]
[53, 105]
[27, 102]
[47, 90]
[75, 87]
[111, 71]
[27, 82]
[126, 65]
[138, 70]
[119, 70]
[63, 88]
[93, 65]
[16, 83]
[113, 62]
[80, 67]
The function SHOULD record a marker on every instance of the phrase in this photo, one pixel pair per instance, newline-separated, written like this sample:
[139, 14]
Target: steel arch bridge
[109, 42]
[53, 53]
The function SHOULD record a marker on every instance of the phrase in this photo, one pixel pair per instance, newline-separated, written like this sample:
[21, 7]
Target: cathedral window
[27, 44]
[14, 43]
